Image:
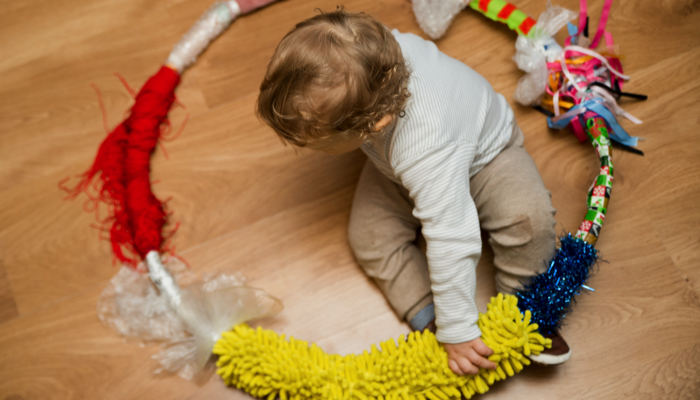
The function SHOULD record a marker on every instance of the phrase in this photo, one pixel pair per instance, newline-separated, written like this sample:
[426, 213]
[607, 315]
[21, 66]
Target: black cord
[543, 111]
[627, 148]
[618, 92]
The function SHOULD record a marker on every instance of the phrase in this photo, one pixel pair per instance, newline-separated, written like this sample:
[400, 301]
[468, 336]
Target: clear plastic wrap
[132, 306]
[551, 20]
[532, 52]
[207, 28]
[531, 86]
[435, 16]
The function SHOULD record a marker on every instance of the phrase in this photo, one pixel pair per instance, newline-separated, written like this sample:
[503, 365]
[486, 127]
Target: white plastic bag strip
[132, 306]
[532, 52]
[435, 16]
[207, 28]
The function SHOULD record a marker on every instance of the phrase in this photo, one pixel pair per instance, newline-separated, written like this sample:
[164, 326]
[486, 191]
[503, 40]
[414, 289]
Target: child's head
[334, 80]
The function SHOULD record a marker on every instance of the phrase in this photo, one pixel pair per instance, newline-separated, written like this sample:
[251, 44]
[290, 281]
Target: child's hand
[467, 357]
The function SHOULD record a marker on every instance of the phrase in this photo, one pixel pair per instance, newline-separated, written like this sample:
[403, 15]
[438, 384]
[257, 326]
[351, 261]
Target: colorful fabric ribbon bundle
[584, 82]
[562, 82]
[211, 317]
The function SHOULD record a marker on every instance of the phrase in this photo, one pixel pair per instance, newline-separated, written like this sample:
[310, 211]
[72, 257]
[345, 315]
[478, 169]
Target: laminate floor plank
[8, 307]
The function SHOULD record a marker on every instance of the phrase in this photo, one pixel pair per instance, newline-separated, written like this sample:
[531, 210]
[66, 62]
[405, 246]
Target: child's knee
[543, 222]
[542, 236]
[517, 231]
[535, 227]
[526, 243]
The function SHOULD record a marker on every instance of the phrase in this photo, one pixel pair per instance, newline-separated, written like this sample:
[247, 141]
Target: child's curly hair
[337, 73]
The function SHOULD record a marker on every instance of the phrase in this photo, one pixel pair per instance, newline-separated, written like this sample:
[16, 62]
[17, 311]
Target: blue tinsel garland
[549, 295]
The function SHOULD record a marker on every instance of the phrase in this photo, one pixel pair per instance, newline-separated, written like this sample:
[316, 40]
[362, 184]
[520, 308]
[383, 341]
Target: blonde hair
[337, 73]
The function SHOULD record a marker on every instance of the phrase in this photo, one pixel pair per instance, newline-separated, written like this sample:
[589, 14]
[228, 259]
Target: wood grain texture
[246, 203]
[8, 307]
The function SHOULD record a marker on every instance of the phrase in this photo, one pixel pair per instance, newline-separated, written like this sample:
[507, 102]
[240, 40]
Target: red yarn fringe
[123, 166]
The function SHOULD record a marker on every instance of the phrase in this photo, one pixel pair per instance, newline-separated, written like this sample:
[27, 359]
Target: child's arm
[438, 182]
[466, 358]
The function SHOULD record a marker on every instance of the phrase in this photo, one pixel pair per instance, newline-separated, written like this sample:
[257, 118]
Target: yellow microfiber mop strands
[267, 365]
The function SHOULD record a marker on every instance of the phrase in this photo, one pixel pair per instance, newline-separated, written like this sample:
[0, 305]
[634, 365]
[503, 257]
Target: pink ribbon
[603, 21]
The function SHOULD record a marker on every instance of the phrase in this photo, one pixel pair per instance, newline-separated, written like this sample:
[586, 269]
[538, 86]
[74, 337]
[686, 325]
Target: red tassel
[123, 165]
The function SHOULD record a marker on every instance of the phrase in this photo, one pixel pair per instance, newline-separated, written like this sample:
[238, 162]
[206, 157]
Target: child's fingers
[481, 348]
[467, 367]
[468, 357]
[454, 367]
[480, 361]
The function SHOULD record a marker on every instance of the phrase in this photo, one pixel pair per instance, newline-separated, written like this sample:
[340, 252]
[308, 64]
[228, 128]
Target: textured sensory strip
[268, 365]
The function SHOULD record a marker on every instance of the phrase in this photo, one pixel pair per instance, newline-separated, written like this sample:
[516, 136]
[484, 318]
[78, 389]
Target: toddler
[445, 157]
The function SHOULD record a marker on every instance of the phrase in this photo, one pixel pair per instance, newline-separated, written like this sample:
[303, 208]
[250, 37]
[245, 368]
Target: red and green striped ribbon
[502, 11]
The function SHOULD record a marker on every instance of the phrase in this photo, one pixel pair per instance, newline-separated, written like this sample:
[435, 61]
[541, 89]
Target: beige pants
[513, 206]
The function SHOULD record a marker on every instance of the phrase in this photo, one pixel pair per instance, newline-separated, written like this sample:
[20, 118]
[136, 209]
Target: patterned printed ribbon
[599, 193]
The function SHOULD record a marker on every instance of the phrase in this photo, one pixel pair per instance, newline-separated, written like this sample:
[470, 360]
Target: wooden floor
[246, 203]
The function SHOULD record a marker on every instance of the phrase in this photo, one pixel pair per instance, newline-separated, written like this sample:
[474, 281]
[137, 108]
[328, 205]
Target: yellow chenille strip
[269, 366]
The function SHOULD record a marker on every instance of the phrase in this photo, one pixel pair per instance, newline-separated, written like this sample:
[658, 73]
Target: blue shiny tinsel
[549, 295]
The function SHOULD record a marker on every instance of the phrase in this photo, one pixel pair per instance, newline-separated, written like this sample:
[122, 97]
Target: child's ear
[383, 123]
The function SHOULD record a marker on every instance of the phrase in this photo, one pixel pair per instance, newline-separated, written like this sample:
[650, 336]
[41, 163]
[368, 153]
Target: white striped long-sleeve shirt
[454, 124]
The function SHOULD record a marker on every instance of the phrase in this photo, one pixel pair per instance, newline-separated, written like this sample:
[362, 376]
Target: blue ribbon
[617, 133]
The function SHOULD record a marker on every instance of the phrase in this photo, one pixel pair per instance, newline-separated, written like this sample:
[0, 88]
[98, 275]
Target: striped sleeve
[439, 186]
